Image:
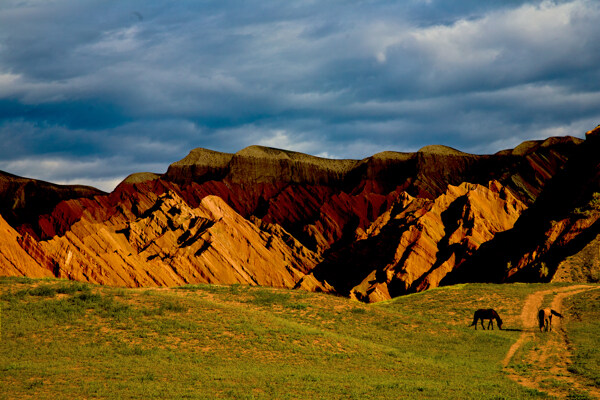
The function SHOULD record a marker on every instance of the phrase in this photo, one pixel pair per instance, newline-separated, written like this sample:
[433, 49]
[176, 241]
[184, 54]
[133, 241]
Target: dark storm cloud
[94, 90]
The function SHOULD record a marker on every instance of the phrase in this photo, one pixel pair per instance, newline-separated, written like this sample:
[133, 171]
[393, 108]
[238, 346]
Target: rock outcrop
[557, 228]
[416, 243]
[17, 258]
[372, 229]
[323, 202]
[174, 244]
[425, 173]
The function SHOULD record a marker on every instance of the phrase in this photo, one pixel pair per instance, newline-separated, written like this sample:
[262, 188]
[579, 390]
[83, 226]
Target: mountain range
[372, 229]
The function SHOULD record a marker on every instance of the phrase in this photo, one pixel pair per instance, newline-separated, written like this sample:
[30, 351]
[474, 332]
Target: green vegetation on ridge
[70, 340]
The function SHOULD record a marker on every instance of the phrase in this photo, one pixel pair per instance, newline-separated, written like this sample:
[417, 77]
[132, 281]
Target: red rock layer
[22, 200]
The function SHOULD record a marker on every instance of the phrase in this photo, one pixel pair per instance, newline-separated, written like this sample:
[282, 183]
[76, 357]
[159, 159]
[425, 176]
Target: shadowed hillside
[559, 226]
[23, 200]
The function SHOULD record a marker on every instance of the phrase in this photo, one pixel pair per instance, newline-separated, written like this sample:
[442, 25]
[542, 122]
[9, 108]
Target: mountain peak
[392, 155]
[270, 152]
[595, 133]
[202, 156]
[530, 146]
[140, 177]
[442, 150]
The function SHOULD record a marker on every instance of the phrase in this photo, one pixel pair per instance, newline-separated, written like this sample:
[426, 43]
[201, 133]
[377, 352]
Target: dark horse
[486, 313]
[545, 318]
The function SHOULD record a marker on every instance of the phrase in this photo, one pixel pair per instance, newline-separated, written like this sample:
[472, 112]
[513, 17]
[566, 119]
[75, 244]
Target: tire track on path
[550, 360]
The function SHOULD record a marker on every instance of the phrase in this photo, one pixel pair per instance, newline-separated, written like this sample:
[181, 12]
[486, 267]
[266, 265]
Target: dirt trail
[548, 360]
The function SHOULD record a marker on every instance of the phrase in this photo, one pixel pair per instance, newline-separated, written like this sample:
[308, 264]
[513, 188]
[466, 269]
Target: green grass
[70, 340]
[583, 329]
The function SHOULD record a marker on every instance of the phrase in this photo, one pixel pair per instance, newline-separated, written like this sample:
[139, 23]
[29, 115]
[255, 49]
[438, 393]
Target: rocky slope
[23, 200]
[375, 228]
[15, 260]
[425, 173]
[323, 202]
[557, 233]
[417, 242]
[173, 244]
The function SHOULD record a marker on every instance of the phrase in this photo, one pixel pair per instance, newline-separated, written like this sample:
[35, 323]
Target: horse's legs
[491, 323]
[550, 322]
[482, 326]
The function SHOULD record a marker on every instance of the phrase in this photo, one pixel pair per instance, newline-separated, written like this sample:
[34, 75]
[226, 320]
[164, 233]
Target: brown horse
[545, 318]
[486, 313]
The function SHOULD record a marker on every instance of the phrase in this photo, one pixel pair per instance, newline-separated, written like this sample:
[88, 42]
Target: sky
[94, 90]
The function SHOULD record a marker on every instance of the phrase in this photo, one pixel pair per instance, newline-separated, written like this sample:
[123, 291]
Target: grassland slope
[71, 340]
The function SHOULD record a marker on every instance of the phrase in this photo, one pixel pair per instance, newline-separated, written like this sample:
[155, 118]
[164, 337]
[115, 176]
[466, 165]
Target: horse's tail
[556, 313]
[475, 318]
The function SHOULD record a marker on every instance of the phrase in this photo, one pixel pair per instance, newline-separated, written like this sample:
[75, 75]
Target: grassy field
[583, 334]
[62, 339]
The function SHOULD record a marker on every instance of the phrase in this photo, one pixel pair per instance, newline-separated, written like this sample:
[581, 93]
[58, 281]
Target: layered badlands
[417, 242]
[372, 229]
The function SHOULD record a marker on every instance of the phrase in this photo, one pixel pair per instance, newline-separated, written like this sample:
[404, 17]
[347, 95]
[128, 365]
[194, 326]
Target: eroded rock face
[174, 244]
[258, 164]
[556, 230]
[19, 257]
[416, 243]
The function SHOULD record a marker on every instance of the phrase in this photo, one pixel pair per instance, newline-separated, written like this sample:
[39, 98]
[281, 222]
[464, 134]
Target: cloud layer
[91, 91]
